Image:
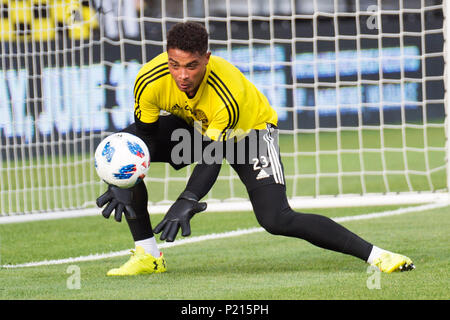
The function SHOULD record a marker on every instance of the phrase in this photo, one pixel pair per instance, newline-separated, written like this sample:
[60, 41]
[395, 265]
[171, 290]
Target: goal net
[359, 88]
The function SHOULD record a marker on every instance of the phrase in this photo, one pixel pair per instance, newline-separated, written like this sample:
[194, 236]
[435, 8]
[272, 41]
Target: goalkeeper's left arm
[121, 200]
[187, 205]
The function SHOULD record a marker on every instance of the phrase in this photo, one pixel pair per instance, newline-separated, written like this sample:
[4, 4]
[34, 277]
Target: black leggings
[274, 214]
[269, 202]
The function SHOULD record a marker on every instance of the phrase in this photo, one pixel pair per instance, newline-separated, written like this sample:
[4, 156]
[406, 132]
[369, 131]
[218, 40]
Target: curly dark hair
[188, 36]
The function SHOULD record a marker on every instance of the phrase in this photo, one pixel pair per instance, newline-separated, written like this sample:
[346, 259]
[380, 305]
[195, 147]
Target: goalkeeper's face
[187, 69]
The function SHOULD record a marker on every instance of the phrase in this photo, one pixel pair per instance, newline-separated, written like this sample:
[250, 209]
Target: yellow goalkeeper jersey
[226, 103]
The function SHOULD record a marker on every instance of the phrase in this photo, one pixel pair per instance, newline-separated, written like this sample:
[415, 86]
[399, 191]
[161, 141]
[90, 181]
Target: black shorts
[256, 158]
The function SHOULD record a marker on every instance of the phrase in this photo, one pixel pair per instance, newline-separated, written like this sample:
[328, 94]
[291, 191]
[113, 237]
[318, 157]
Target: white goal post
[358, 85]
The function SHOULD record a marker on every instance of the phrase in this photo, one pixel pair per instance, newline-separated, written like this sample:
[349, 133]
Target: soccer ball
[121, 159]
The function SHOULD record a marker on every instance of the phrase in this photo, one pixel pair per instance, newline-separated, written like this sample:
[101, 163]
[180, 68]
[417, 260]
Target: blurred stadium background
[359, 87]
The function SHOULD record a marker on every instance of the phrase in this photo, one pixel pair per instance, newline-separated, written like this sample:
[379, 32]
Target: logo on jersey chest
[175, 108]
[194, 115]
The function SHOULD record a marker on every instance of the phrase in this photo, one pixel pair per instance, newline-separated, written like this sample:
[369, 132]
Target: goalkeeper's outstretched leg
[276, 216]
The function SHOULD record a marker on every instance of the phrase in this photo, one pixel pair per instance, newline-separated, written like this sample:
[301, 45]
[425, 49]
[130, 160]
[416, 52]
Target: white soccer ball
[121, 159]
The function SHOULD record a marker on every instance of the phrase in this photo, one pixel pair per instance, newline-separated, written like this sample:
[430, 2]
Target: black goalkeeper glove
[179, 215]
[118, 199]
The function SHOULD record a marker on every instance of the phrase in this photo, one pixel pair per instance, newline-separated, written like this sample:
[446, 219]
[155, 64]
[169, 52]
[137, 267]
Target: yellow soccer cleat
[140, 263]
[389, 262]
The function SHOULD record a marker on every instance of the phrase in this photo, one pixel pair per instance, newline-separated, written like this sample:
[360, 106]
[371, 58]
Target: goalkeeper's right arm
[202, 179]
[187, 205]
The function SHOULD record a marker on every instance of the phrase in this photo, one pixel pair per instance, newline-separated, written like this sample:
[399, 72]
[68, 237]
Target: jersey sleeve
[146, 88]
[145, 111]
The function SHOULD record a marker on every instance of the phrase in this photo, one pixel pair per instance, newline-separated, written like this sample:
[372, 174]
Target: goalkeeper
[195, 87]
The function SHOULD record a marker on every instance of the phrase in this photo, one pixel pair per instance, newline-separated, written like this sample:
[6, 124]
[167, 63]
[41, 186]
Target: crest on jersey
[200, 116]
